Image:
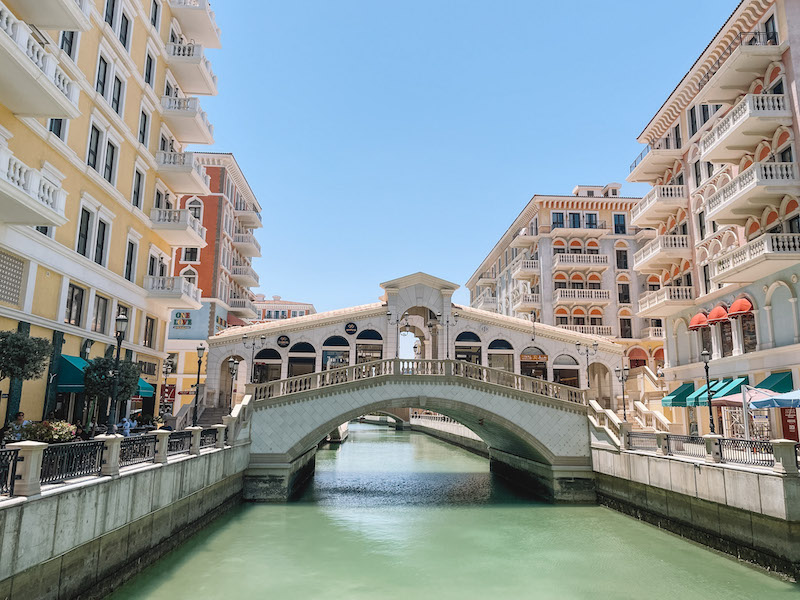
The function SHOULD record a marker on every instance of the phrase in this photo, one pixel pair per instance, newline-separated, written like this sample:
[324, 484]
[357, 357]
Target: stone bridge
[537, 431]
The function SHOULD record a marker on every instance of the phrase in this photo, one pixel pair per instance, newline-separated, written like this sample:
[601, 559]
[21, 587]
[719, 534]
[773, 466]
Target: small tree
[98, 380]
[23, 357]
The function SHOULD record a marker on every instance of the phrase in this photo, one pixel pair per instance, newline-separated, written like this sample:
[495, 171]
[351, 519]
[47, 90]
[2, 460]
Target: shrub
[49, 431]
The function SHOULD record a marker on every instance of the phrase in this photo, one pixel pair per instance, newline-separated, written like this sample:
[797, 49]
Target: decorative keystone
[221, 429]
[196, 431]
[112, 446]
[785, 457]
[162, 442]
[713, 449]
[29, 467]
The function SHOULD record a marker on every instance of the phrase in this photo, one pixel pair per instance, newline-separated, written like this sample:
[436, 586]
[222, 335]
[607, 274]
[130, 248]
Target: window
[794, 224]
[622, 259]
[136, 196]
[102, 73]
[687, 279]
[595, 321]
[562, 320]
[575, 220]
[111, 6]
[149, 332]
[559, 285]
[707, 278]
[749, 340]
[558, 219]
[786, 155]
[163, 143]
[591, 220]
[190, 254]
[191, 276]
[43, 229]
[159, 200]
[143, 128]
[68, 43]
[594, 285]
[100, 242]
[168, 90]
[692, 121]
[148, 69]
[624, 293]
[269, 314]
[701, 224]
[698, 174]
[590, 193]
[111, 160]
[771, 30]
[579, 320]
[653, 287]
[74, 305]
[84, 228]
[625, 328]
[124, 30]
[619, 224]
[100, 314]
[94, 147]
[294, 313]
[726, 336]
[116, 96]
[195, 209]
[130, 261]
[709, 169]
[57, 127]
[705, 113]
[676, 134]
[155, 11]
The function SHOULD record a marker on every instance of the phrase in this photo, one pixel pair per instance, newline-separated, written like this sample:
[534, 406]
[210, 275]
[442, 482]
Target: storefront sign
[789, 420]
[186, 392]
[350, 328]
[182, 320]
[533, 357]
[283, 341]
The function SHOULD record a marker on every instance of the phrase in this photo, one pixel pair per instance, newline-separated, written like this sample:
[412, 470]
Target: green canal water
[393, 515]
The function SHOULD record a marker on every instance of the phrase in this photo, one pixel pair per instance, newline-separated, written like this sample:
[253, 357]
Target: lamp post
[200, 351]
[252, 347]
[622, 377]
[121, 327]
[706, 356]
[396, 323]
[233, 367]
[587, 351]
[447, 324]
[166, 369]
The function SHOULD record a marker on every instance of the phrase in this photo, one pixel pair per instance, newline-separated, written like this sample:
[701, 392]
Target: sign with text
[533, 357]
[182, 320]
[283, 341]
[789, 421]
[350, 328]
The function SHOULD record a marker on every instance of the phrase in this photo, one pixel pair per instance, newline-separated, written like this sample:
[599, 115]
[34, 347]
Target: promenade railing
[68, 461]
[8, 469]
[180, 442]
[137, 449]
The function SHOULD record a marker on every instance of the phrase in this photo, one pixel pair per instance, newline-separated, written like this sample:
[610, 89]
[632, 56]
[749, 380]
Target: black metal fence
[747, 452]
[67, 461]
[8, 471]
[179, 442]
[686, 445]
[642, 441]
[137, 449]
[208, 438]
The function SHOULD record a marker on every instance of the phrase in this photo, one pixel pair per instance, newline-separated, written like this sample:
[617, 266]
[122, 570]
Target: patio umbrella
[787, 400]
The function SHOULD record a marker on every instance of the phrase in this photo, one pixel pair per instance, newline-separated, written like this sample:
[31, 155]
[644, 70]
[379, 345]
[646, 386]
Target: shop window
[749, 341]
[726, 333]
[625, 328]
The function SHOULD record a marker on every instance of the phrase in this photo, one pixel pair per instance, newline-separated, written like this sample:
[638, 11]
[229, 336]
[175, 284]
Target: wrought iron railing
[8, 471]
[137, 449]
[67, 461]
[748, 38]
[208, 438]
[642, 441]
[747, 452]
[686, 445]
[179, 442]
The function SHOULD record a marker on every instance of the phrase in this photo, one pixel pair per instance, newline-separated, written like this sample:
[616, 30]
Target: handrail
[650, 419]
[603, 418]
[748, 38]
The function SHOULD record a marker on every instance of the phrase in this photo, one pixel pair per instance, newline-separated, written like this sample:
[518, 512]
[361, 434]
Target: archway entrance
[637, 358]
[468, 347]
[565, 370]
[369, 346]
[335, 353]
[302, 358]
[267, 366]
[231, 384]
[600, 386]
[533, 362]
[501, 355]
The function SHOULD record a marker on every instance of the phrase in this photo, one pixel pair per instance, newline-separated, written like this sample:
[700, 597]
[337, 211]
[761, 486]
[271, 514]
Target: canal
[395, 515]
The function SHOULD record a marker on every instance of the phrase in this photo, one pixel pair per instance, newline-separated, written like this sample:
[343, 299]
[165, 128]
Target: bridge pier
[561, 484]
[270, 480]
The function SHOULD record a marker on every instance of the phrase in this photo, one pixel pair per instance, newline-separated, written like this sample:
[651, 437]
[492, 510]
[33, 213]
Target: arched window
[190, 275]
[336, 340]
[467, 337]
[369, 334]
[195, 207]
[302, 347]
[500, 345]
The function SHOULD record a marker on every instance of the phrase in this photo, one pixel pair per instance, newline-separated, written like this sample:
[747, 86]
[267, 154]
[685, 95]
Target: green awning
[70, 374]
[677, 397]
[731, 388]
[777, 382]
[700, 397]
[145, 389]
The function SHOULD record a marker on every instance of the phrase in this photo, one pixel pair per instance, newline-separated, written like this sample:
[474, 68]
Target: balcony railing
[245, 272]
[32, 199]
[653, 332]
[751, 106]
[568, 295]
[525, 268]
[750, 38]
[666, 196]
[604, 330]
[177, 217]
[183, 172]
[243, 305]
[582, 223]
[63, 15]
[587, 260]
[683, 294]
[171, 287]
[191, 67]
[523, 302]
[247, 244]
[191, 122]
[760, 174]
[485, 301]
[667, 244]
[197, 20]
[760, 257]
[666, 143]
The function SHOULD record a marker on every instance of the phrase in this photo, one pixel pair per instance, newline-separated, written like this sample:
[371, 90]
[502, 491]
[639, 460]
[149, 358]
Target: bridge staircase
[212, 415]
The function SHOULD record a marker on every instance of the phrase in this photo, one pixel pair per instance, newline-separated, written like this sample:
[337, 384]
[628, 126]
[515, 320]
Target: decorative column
[112, 446]
[758, 329]
[795, 322]
[29, 467]
[713, 450]
[770, 341]
[196, 431]
[716, 342]
[738, 337]
[162, 441]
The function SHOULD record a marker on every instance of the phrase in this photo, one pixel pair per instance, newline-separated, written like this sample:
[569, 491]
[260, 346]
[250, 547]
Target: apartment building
[98, 100]
[277, 308]
[223, 270]
[567, 261]
[721, 156]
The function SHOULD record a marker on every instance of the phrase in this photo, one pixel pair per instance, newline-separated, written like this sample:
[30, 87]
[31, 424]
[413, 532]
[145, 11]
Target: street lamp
[622, 377]
[166, 369]
[447, 324]
[397, 334]
[587, 351]
[233, 367]
[252, 347]
[200, 351]
[706, 356]
[121, 327]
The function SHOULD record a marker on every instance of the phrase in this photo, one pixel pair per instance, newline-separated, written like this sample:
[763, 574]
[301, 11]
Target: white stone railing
[244, 270]
[653, 332]
[661, 243]
[752, 105]
[188, 105]
[182, 159]
[197, 4]
[169, 286]
[399, 367]
[178, 215]
[518, 298]
[525, 265]
[650, 419]
[444, 423]
[758, 174]
[242, 304]
[764, 245]
[607, 419]
[571, 260]
[31, 181]
[604, 330]
[189, 50]
[485, 301]
[246, 238]
[666, 294]
[658, 193]
[563, 295]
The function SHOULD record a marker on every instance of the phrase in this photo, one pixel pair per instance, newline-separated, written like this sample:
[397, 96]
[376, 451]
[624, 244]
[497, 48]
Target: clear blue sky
[384, 138]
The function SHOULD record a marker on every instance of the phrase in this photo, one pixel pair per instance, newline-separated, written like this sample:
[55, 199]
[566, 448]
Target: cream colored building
[272, 309]
[98, 100]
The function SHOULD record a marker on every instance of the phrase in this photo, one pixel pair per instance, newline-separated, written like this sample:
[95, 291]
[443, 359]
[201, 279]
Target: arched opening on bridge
[369, 346]
[565, 370]
[231, 385]
[501, 355]
[600, 386]
[468, 347]
[302, 357]
[335, 353]
[533, 362]
[267, 366]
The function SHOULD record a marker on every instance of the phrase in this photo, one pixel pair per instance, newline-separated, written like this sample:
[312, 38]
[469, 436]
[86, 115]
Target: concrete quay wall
[85, 538]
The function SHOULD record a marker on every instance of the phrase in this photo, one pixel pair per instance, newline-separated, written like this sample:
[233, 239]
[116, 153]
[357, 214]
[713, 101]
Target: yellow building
[97, 104]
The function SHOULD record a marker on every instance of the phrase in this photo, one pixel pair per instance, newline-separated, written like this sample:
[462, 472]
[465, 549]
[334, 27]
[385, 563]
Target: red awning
[718, 314]
[740, 307]
[698, 322]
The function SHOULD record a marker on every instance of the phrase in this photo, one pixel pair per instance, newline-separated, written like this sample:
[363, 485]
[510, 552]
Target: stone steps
[211, 416]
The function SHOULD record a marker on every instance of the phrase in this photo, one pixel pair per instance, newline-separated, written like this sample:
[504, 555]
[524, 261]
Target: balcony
[661, 253]
[187, 120]
[178, 227]
[31, 82]
[763, 256]
[523, 240]
[173, 292]
[658, 204]
[525, 302]
[580, 228]
[485, 302]
[243, 307]
[762, 184]
[575, 262]
[244, 275]
[182, 172]
[652, 333]
[656, 158]
[197, 21]
[248, 215]
[247, 244]
[27, 197]
[602, 330]
[666, 301]
[745, 58]
[487, 278]
[567, 296]
[65, 15]
[525, 269]
[192, 69]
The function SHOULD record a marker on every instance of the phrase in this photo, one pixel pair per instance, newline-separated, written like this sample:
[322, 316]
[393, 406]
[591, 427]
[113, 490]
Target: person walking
[126, 425]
